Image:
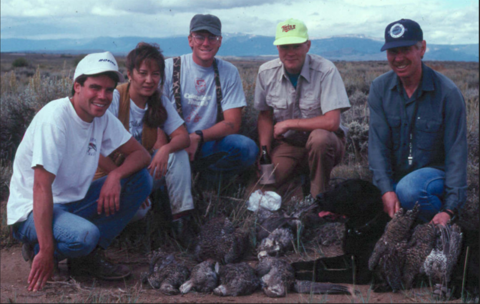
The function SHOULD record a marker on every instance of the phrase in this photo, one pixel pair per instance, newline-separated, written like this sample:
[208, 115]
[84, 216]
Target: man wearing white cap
[54, 207]
[300, 97]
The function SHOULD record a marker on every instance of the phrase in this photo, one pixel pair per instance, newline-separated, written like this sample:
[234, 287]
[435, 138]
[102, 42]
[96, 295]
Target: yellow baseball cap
[291, 31]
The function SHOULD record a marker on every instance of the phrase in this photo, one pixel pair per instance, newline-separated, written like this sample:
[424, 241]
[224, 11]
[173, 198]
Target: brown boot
[98, 265]
[28, 255]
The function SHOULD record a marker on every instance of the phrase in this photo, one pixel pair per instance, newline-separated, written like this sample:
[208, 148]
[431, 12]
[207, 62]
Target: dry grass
[25, 90]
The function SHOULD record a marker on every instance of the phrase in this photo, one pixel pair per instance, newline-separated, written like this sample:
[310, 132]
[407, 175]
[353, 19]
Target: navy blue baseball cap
[404, 32]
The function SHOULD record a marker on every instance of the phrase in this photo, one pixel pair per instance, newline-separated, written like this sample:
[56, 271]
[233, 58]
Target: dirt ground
[14, 272]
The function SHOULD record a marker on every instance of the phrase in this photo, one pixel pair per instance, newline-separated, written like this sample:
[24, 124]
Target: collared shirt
[320, 89]
[439, 132]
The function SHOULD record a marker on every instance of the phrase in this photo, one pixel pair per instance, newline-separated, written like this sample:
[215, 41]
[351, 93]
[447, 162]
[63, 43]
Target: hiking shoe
[97, 264]
[28, 254]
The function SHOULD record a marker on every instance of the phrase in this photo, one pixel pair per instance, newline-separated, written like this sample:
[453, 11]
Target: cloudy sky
[443, 21]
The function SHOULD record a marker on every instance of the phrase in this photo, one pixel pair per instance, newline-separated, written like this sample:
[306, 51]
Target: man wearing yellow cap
[300, 97]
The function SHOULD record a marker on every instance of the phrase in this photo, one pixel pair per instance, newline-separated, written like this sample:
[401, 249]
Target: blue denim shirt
[439, 135]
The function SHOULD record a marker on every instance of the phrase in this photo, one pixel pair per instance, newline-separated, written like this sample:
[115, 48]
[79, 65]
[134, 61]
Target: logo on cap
[288, 27]
[397, 30]
[107, 60]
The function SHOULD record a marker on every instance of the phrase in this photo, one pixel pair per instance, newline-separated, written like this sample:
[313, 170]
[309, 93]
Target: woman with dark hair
[150, 117]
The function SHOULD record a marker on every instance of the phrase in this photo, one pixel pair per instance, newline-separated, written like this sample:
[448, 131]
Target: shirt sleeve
[456, 150]
[49, 145]
[232, 91]
[260, 97]
[379, 135]
[174, 121]
[114, 134]
[333, 95]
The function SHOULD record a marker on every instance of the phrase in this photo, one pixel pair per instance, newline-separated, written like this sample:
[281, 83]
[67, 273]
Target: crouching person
[54, 207]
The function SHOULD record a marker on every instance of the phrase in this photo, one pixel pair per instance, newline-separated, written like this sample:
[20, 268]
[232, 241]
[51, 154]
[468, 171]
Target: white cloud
[443, 22]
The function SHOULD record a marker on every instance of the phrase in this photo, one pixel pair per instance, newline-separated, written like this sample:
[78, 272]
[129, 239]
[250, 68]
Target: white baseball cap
[97, 63]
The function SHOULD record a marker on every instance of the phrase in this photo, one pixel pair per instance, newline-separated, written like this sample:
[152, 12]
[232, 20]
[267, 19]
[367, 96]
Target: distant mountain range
[349, 48]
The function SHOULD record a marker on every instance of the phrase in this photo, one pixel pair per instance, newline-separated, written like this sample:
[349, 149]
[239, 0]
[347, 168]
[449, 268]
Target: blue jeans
[240, 152]
[424, 185]
[78, 228]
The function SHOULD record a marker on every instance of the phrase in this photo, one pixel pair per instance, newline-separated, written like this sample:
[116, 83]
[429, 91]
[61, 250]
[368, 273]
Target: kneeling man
[300, 98]
[54, 207]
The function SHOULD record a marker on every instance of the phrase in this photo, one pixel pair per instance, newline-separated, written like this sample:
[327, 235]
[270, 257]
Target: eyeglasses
[201, 38]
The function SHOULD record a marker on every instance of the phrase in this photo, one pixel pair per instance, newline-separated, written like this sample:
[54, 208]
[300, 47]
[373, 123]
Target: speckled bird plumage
[278, 242]
[388, 257]
[165, 273]
[419, 247]
[440, 262]
[237, 280]
[277, 276]
[203, 278]
[221, 241]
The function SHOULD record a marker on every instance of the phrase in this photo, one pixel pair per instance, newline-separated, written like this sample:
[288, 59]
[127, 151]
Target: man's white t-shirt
[172, 123]
[199, 97]
[66, 146]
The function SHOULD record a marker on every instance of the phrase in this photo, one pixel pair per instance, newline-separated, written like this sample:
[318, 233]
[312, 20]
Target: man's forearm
[330, 121]
[229, 125]
[106, 164]
[134, 162]
[43, 213]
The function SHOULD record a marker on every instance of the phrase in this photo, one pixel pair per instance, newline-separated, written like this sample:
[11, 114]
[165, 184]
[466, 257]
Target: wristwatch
[200, 133]
[452, 214]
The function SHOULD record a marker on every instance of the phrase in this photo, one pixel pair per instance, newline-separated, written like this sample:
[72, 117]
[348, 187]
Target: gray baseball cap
[206, 22]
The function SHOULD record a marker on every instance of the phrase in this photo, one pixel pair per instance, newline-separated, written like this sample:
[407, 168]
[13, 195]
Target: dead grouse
[203, 277]
[419, 247]
[165, 273]
[277, 242]
[440, 262]
[388, 257]
[221, 241]
[237, 280]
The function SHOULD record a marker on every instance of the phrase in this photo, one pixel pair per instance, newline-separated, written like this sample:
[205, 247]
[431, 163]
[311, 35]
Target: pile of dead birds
[406, 252]
[221, 249]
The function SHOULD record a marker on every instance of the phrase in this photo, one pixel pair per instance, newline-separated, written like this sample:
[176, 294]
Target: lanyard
[410, 132]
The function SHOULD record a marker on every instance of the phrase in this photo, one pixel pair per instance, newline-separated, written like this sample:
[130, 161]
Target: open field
[24, 90]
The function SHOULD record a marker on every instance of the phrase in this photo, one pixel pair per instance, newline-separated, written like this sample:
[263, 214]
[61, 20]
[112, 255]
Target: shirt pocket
[429, 134]
[395, 124]
[310, 107]
[279, 106]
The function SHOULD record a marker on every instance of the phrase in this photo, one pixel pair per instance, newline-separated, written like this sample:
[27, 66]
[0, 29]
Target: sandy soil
[14, 272]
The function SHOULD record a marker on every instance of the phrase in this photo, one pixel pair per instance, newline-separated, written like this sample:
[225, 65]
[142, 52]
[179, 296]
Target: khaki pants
[323, 151]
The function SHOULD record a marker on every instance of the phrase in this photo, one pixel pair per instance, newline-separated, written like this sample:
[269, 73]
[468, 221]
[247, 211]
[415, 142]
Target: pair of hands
[109, 199]
[391, 205]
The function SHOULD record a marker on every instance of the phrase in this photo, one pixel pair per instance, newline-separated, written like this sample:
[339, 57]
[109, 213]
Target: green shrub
[20, 62]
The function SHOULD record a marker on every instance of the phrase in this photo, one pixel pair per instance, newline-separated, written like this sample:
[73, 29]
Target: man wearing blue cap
[208, 94]
[417, 137]
[54, 208]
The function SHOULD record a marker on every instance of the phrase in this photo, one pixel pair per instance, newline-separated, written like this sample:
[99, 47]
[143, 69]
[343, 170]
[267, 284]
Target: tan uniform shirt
[320, 89]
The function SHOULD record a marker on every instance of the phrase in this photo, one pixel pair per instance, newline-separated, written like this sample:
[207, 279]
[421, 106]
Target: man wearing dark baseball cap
[208, 94]
[417, 137]
[55, 209]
